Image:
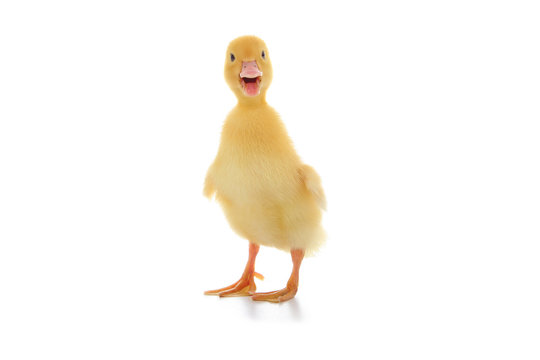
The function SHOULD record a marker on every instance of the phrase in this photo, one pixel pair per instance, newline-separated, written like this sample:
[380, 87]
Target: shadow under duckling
[267, 194]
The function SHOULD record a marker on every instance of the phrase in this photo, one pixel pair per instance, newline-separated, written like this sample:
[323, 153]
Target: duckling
[268, 195]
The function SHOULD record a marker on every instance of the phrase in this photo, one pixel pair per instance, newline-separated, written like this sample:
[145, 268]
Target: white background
[421, 117]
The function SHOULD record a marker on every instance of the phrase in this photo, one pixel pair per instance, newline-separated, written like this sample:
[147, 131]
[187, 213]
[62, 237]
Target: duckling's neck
[253, 101]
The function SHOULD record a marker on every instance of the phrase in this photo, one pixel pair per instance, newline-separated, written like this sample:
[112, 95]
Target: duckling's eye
[232, 57]
[263, 55]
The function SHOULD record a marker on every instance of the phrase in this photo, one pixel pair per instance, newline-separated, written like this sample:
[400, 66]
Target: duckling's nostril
[250, 69]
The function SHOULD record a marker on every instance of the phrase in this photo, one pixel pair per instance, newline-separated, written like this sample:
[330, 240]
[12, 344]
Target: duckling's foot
[246, 285]
[292, 285]
[276, 296]
[243, 287]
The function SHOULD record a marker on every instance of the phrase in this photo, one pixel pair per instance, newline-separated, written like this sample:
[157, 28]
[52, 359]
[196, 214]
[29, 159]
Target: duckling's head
[248, 70]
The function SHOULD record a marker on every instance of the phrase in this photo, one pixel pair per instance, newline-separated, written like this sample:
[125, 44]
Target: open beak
[250, 78]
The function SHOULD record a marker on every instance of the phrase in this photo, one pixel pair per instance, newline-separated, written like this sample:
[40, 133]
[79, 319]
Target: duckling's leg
[246, 285]
[292, 285]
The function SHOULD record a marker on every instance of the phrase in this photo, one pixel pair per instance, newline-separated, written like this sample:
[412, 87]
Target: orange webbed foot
[243, 287]
[292, 285]
[276, 296]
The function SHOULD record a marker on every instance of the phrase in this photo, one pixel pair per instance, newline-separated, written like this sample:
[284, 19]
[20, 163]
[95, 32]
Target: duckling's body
[257, 179]
[268, 196]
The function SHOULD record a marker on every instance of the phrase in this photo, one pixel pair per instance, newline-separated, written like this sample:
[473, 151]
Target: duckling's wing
[313, 183]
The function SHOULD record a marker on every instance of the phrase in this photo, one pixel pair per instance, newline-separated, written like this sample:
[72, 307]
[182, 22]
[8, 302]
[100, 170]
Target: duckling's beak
[250, 77]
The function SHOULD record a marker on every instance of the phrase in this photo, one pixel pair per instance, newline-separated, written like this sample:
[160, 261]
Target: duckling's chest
[253, 159]
[248, 152]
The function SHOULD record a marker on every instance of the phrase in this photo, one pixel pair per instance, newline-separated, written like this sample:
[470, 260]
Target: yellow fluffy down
[267, 194]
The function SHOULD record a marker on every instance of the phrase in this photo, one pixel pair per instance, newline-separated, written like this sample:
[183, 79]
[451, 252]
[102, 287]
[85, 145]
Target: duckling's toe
[243, 287]
[276, 296]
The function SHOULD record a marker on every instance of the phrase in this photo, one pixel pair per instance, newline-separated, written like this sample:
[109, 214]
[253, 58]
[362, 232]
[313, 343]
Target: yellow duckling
[267, 194]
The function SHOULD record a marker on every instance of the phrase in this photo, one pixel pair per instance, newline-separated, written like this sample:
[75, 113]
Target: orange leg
[292, 285]
[246, 285]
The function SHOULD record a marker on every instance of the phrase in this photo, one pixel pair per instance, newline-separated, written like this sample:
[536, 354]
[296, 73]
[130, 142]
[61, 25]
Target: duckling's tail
[313, 184]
